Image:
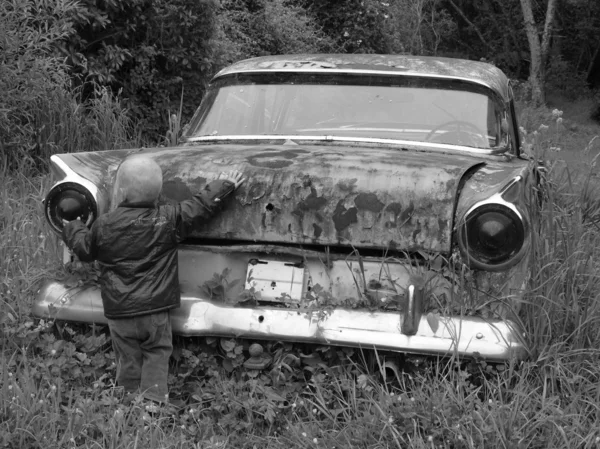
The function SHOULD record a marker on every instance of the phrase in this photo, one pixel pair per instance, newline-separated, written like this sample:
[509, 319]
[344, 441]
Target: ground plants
[57, 379]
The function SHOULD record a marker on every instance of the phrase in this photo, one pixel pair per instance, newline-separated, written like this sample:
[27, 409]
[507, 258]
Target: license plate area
[275, 280]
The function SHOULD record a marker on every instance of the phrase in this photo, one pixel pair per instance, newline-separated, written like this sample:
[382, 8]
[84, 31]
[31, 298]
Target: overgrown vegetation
[57, 380]
[154, 57]
[41, 112]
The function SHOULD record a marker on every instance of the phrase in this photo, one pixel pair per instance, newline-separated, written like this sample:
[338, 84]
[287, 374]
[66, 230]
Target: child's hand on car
[233, 176]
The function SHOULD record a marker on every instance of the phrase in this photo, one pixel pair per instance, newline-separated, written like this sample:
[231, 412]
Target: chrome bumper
[494, 340]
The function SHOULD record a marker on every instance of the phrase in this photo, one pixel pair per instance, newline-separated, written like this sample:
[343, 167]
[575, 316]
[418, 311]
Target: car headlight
[493, 236]
[67, 201]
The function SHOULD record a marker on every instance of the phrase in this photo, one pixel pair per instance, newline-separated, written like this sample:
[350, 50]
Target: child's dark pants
[142, 348]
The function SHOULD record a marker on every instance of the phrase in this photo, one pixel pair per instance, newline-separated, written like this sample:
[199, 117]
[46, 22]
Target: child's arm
[204, 204]
[79, 238]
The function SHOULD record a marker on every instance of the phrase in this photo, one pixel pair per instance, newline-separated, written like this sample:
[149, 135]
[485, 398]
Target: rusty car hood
[310, 194]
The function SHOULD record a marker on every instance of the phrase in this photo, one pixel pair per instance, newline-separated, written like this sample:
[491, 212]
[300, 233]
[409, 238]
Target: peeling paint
[323, 195]
[318, 231]
[343, 217]
[347, 185]
[256, 191]
[407, 213]
[274, 158]
[442, 224]
[368, 201]
[395, 209]
[311, 202]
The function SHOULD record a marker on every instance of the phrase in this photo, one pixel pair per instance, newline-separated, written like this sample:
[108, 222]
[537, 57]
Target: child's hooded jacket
[136, 249]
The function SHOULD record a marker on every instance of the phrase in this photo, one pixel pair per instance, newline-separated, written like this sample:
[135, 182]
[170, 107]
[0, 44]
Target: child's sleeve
[80, 240]
[201, 207]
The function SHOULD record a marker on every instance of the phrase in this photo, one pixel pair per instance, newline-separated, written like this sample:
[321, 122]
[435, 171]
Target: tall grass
[564, 309]
[68, 123]
[56, 387]
[60, 121]
[28, 250]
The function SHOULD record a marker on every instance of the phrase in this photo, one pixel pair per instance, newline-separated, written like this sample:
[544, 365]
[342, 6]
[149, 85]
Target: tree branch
[530, 28]
[546, 36]
[471, 24]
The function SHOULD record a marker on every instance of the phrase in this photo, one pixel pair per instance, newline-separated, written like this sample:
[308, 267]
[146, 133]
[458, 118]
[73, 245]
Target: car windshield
[402, 108]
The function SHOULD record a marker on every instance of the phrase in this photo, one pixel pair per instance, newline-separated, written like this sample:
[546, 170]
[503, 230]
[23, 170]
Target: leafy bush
[150, 51]
[356, 26]
[57, 380]
[418, 27]
[31, 78]
[248, 29]
[563, 77]
[41, 113]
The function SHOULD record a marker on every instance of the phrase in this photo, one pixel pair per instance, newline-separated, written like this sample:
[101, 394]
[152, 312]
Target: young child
[136, 248]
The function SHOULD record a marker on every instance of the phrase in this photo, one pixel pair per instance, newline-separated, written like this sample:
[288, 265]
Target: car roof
[477, 72]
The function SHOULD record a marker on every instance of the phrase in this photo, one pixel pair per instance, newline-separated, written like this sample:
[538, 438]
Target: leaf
[233, 283]
[311, 360]
[271, 394]
[270, 415]
[317, 288]
[93, 342]
[228, 365]
[228, 345]
[437, 263]
[213, 283]
[433, 319]
[363, 381]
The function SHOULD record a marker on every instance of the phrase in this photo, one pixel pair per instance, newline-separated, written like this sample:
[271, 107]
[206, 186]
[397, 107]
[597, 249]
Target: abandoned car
[386, 206]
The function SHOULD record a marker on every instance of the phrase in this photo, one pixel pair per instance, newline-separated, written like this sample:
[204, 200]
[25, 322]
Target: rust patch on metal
[442, 225]
[347, 185]
[407, 213]
[311, 202]
[317, 231]
[274, 158]
[257, 191]
[343, 217]
[368, 201]
[395, 209]
[404, 200]
[416, 232]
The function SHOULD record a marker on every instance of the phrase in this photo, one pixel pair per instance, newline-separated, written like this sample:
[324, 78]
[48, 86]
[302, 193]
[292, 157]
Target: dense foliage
[41, 110]
[77, 75]
[151, 52]
[57, 380]
[154, 57]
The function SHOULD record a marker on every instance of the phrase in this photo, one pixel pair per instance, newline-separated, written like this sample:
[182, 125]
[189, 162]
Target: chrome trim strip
[454, 335]
[498, 199]
[72, 176]
[338, 70]
[329, 138]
